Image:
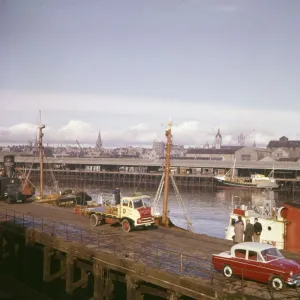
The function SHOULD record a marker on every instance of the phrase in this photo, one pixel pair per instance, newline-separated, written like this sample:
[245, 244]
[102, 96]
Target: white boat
[273, 226]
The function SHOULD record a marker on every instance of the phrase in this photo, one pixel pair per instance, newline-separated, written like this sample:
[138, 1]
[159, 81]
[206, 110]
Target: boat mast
[167, 175]
[233, 169]
[41, 151]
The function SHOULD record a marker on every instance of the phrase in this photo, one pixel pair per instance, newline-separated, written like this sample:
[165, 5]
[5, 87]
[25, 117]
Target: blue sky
[125, 67]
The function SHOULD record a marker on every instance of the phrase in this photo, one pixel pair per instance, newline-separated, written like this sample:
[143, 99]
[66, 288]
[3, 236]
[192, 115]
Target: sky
[127, 67]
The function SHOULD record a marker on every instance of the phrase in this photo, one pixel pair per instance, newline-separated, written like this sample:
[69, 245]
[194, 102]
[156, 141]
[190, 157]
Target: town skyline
[99, 142]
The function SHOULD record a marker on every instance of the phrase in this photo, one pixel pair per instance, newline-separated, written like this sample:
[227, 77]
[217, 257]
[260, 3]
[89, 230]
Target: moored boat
[280, 225]
[256, 181]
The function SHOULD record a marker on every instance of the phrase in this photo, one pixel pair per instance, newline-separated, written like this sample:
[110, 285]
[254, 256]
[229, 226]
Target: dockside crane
[80, 152]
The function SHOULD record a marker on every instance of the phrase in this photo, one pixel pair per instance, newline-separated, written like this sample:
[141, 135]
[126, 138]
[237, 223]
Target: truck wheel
[126, 225]
[227, 271]
[94, 220]
[277, 283]
[10, 200]
[101, 220]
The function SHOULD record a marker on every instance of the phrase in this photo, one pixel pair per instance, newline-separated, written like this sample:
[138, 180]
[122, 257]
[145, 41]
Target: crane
[78, 145]
[80, 152]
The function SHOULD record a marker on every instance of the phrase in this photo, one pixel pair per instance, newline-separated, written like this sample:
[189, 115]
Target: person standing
[249, 231]
[239, 230]
[257, 230]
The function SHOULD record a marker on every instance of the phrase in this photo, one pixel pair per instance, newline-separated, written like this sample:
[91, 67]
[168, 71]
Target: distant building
[241, 139]
[99, 143]
[159, 148]
[177, 151]
[292, 147]
[206, 145]
[251, 154]
[280, 153]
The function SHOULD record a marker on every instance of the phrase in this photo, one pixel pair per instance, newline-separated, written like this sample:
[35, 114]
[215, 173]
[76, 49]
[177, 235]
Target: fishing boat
[279, 224]
[258, 181]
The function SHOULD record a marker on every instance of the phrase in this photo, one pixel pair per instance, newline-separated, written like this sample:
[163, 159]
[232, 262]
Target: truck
[131, 212]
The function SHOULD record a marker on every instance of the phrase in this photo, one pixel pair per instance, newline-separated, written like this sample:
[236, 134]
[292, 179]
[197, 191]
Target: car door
[256, 267]
[238, 261]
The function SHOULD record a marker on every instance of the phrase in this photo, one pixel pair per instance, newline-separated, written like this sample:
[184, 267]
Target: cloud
[125, 120]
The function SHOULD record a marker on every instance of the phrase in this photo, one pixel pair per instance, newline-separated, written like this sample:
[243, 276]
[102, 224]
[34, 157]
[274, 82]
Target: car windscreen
[271, 254]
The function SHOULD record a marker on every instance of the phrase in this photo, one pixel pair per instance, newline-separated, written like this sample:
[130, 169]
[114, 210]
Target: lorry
[131, 212]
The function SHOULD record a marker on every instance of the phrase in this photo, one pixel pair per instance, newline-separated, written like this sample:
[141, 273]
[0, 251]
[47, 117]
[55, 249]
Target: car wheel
[277, 283]
[227, 271]
[94, 220]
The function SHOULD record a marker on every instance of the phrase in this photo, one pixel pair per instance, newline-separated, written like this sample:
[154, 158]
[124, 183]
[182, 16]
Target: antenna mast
[167, 175]
[41, 150]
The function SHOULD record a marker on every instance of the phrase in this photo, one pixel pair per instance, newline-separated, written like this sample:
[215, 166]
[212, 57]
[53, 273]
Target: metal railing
[151, 254]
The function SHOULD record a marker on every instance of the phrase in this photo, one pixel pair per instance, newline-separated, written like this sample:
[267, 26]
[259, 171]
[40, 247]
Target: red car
[260, 262]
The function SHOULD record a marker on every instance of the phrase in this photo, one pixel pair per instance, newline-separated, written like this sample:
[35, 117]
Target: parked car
[260, 262]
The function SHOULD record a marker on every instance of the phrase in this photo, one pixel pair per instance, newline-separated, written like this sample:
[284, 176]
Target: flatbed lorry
[131, 212]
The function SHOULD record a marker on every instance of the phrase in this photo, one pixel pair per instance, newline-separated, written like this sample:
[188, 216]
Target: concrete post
[70, 274]
[27, 267]
[103, 285]
[133, 292]
[98, 282]
[46, 264]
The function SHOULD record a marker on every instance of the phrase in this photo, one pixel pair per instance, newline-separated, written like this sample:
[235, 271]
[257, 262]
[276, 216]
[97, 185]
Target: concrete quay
[102, 261]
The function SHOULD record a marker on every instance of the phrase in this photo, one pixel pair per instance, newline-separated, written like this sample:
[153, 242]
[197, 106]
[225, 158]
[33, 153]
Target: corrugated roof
[211, 151]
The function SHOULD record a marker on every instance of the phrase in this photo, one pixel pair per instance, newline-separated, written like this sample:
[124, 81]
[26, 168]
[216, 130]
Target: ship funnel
[9, 166]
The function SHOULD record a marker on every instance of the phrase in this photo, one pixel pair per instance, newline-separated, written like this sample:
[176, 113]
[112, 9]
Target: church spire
[218, 140]
[99, 143]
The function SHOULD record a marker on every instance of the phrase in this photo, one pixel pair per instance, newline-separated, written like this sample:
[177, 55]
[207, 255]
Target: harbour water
[208, 210]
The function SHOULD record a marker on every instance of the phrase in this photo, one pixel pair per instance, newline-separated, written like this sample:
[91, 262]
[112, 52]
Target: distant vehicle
[130, 212]
[260, 262]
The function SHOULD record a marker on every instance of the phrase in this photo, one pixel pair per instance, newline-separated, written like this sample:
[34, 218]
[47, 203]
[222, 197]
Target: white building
[159, 148]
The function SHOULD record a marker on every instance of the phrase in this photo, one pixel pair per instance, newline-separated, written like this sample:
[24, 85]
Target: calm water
[208, 210]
